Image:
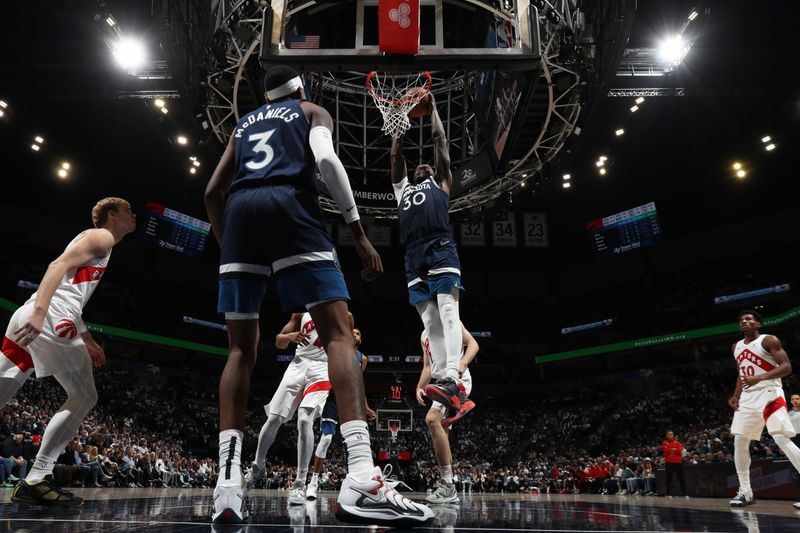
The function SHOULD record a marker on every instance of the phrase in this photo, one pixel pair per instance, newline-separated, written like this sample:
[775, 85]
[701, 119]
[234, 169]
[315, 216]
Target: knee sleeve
[324, 443]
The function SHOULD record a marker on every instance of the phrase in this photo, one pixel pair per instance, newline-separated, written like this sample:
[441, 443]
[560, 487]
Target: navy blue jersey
[271, 145]
[422, 211]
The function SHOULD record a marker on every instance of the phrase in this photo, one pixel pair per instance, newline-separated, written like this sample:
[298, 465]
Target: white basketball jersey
[439, 373]
[314, 350]
[77, 286]
[754, 360]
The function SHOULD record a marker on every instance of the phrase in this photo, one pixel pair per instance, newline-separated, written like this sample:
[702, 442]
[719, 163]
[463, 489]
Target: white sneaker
[373, 502]
[741, 499]
[312, 489]
[796, 505]
[445, 493]
[253, 474]
[298, 495]
[229, 506]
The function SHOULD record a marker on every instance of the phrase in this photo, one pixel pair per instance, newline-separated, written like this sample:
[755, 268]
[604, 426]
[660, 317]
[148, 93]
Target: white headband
[287, 88]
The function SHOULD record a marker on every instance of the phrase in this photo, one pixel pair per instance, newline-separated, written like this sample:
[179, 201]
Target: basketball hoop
[394, 428]
[395, 96]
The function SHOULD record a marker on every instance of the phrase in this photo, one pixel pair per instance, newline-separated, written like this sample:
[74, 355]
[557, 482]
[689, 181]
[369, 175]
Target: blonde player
[437, 420]
[47, 334]
[304, 388]
[758, 400]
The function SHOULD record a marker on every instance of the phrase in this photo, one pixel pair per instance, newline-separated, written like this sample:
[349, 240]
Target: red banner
[398, 26]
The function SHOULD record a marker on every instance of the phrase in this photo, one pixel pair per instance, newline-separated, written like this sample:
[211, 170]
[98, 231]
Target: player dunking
[329, 420]
[265, 213]
[758, 400]
[433, 271]
[438, 425]
[48, 334]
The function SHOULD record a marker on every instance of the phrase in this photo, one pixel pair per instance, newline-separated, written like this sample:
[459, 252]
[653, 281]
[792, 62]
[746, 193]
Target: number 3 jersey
[271, 145]
[754, 360]
[422, 211]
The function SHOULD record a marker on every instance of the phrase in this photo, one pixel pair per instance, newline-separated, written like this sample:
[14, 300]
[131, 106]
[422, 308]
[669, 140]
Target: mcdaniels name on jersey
[275, 112]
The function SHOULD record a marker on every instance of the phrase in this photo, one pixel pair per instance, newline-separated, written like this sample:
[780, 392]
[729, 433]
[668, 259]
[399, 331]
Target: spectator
[673, 459]
[11, 459]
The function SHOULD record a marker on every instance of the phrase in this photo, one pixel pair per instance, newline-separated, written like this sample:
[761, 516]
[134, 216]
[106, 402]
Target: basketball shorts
[465, 385]
[276, 230]
[305, 384]
[432, 267]
[330, 417]
[58, 349]
[759, 408]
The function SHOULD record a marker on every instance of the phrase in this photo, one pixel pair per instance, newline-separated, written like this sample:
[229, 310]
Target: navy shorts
[329, 417]
[276, 230]
[432, 267]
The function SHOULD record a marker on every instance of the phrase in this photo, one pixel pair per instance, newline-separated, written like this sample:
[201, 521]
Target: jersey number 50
[417, 198]
[261, 147]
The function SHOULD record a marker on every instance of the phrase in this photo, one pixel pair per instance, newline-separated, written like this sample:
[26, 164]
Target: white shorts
[305, 384]
[466, 384]
[762, 407]
[58, 349]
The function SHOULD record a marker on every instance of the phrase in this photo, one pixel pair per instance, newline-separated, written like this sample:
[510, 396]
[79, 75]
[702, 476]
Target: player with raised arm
[758, 400]
[433, 270]
[437, 420]
[265, 213]
[47, 334]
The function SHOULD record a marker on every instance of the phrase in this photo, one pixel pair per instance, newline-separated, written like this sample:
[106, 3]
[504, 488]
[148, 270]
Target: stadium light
[741, 173]
[566, 185]
[130, 53]
[39, 139]
[602, 158]
[164, 110]
[159, 102]
[182, 140]
[196, 163]
[737, 166]
[766, 139]
[111, 22]
[192, 170]
[672, 50]
[2, 113]
[634, 109]
[567, 177]
[639, 100]
[35, 147]
[693, 15]
[65, 165]
[599, 163]
[194, 158]
[602, 171]
[62, 173]
[3, 104]
[770, 147]
[523, 183]
[619, 132]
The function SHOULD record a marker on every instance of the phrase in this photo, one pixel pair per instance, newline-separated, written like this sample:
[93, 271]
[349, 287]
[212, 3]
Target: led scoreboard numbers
[625, 231]
[395, 393]
[172, 230]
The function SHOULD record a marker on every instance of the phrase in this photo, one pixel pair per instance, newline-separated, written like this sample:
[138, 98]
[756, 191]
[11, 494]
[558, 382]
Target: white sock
[451, 328]
[447, 473]
[359, 452]
[741, 458]
[302, 475]
[790, 449]
[42, 466]
[314, 477]
[230, 458]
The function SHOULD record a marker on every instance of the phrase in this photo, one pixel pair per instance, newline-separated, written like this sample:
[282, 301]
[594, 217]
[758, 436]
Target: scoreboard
[170, 229]
[625, 231]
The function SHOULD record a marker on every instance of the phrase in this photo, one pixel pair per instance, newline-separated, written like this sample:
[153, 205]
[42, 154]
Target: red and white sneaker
[373, 502]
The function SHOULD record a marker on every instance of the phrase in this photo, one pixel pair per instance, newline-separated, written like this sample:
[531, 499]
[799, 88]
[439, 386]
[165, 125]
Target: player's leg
[445, 491]
[451, 330]
[333, 328]
[305, 448]
[328, 422]
[38, 487]
[780, 428]
[16, 364]
[747, 425]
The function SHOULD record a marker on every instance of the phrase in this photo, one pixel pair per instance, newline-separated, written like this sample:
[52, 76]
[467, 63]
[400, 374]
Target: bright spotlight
[62, 173]
[770, 147]
[599, 163]
[129, 53]
[159, 102]
[693, 15]
[35, 147]
[192, 170]
[194, 158]
[182, 139]
[602, 171]
[567, 177]
[65, 165]
[672, 50]
[619, 132]
[602, 158]
[737, 166]
[766, 139]
[523, 183]
[741, 173]
[196, 163]
[164, 110]
[639, 100]
[634, 109]
[3, 104]
[566, 185]
[111, 22]
[39, 139]
[2, 113]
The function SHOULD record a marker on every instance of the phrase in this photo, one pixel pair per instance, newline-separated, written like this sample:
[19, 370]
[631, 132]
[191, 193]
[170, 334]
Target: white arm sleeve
[333, 172]
[398, 190]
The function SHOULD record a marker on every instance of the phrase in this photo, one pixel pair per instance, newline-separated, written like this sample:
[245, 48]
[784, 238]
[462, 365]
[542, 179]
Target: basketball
[424, 107]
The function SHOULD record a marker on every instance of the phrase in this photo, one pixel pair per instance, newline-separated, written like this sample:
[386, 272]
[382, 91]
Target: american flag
[304, 41]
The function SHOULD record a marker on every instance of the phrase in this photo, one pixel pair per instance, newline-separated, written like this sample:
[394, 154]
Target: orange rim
[426, 88]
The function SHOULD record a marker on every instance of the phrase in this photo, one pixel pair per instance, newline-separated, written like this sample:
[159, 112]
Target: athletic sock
[447, 474]
[302, 475]
[359, 452]
[314, 477]
[42, 466]
[741, 458]
[230, 458]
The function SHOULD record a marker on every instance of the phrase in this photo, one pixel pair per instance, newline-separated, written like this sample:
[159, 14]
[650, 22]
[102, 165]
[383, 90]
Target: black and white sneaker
[44, 492]
[375, 503]
[741, 499]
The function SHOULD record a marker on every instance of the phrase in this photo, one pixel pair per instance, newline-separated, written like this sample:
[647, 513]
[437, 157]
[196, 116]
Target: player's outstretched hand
[420, 396]
[370, 260]
[734, 403]
[298, 338]
[29, 330]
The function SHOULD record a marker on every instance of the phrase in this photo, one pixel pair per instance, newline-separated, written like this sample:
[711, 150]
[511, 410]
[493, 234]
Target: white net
[395, 96]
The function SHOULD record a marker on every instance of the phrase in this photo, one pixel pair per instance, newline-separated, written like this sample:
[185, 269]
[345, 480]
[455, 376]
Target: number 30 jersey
[271, 144]
[422, 211]
[754, 360]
